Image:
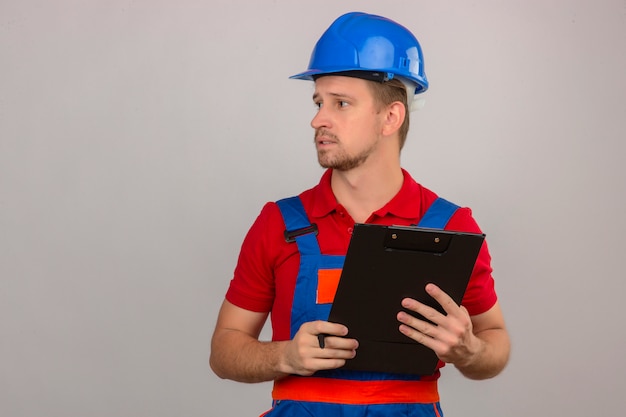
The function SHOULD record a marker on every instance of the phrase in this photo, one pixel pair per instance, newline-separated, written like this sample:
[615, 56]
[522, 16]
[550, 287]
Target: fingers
[325, 327]
[306, 354]
[421, 331]
[442, 298]
[340, 344]
[447, 334]
[324, 331]
[330, 335]
[431, 314]
[423, 310]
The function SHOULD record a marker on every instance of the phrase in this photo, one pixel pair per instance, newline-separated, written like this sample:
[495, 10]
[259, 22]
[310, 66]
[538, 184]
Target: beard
[339, 159]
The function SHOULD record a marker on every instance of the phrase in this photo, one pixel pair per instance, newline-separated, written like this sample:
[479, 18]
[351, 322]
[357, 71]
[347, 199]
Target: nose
[320, 119]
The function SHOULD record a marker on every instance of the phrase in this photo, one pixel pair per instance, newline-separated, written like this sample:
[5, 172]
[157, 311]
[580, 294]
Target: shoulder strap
[298, 227]
[296, 221]
[438, 214]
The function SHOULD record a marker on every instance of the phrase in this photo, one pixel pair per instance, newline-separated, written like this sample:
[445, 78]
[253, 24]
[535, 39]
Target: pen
[320, 339]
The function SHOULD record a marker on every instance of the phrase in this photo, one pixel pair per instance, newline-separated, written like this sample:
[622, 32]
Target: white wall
[139, 140]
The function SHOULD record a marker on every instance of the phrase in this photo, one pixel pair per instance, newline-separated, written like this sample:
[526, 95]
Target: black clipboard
[385, 264]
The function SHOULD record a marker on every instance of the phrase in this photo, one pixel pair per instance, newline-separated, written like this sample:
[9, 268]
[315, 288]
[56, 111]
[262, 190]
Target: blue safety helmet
[367, 46]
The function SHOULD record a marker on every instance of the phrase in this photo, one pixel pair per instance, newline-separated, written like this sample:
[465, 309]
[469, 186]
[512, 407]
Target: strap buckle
[291, 235]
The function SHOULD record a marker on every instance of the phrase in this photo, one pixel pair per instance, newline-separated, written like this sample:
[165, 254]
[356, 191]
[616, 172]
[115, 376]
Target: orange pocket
[327, 282]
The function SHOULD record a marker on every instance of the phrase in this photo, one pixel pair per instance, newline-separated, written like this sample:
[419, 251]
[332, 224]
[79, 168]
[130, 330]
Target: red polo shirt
[267, 269]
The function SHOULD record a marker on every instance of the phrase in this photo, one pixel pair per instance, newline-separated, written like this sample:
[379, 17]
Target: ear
[394, 117]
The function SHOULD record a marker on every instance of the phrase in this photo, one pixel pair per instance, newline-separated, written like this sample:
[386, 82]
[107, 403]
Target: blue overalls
[292, 401]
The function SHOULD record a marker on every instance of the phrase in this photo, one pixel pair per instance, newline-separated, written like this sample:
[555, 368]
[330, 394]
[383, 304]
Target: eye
[343, 103]
[318, 105]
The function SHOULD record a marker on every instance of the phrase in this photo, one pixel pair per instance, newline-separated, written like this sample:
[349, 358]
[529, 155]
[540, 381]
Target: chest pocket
[327, 282]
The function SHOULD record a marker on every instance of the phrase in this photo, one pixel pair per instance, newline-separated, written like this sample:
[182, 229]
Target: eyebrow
[317, 95]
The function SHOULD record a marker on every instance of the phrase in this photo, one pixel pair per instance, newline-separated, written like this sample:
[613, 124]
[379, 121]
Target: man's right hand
[303, 355]
[238, 354]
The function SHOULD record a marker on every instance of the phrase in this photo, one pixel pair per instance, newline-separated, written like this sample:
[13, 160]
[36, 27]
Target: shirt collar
[404, 204]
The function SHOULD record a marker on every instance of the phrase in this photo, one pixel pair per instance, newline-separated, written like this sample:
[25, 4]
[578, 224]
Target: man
[367, 70]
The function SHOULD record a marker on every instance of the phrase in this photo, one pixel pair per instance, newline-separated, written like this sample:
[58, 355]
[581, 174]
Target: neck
[363, 190]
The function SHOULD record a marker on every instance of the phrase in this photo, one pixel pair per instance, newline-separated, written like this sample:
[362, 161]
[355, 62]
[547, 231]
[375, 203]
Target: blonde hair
[389, 92]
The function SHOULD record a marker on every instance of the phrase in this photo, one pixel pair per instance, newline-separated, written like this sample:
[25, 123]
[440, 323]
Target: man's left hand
[451, 336]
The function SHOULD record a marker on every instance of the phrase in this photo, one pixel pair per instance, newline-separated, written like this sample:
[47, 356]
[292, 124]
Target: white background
[139, 140]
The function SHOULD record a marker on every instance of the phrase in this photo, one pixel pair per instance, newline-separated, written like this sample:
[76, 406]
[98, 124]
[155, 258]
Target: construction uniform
[319, 258]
